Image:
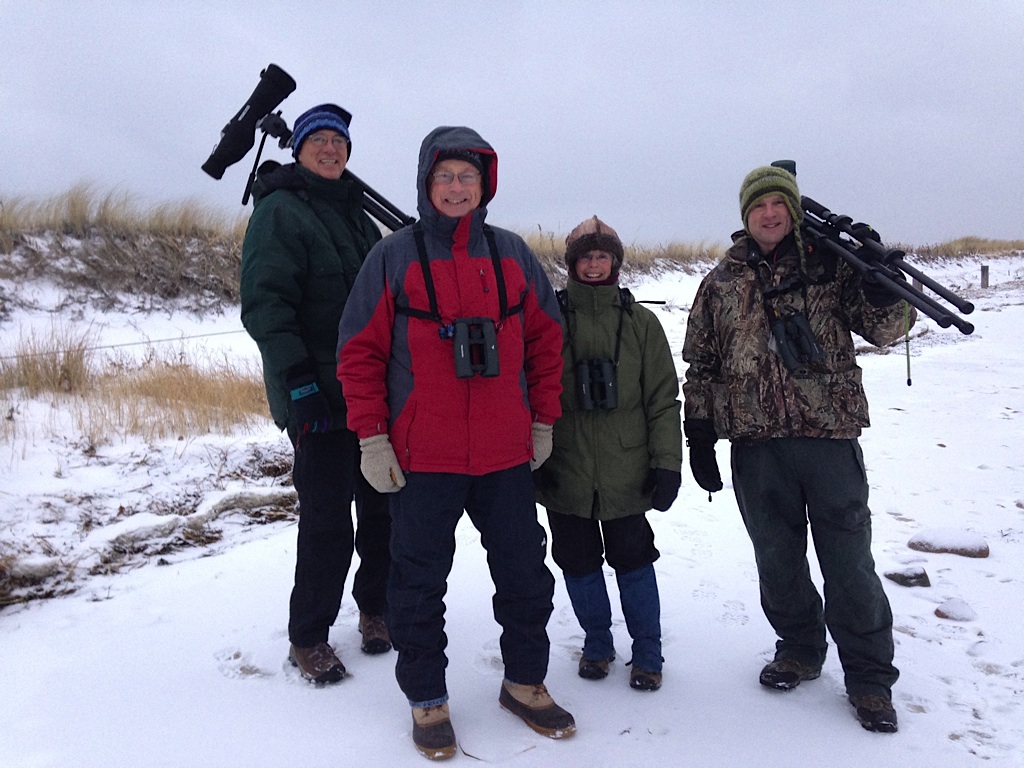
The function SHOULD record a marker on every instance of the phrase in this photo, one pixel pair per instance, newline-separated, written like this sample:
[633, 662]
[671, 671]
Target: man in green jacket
[617, 452]
[304, 245]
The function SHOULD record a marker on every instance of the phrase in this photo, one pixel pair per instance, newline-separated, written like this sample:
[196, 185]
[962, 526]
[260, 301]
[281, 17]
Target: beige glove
[541, 444]
[379, 464]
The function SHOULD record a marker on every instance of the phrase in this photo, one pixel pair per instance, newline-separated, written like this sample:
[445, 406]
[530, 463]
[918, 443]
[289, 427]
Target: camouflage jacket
[736, 376]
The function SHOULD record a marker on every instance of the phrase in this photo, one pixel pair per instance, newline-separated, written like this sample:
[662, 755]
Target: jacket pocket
[832, 401]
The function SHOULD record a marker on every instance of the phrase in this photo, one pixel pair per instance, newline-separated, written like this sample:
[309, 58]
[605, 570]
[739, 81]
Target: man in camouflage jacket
[772, 368]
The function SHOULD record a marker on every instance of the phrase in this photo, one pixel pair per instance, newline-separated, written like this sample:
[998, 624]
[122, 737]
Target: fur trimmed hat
[318, 118]
[593, 235]
[771, 180]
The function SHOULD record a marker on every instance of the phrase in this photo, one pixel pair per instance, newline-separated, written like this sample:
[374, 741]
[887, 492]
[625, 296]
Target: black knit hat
[466, 155]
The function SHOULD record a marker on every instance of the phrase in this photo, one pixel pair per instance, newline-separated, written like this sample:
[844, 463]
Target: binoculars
[476, 347]
[596, 385]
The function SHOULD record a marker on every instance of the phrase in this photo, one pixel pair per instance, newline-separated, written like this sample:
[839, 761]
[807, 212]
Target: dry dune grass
[102, 248]
[169, 396]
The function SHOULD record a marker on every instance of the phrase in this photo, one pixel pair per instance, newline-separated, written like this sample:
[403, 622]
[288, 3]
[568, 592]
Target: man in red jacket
[449, 354]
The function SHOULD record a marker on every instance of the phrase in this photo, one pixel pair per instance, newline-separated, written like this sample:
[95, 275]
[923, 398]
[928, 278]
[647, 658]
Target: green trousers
[781, 486]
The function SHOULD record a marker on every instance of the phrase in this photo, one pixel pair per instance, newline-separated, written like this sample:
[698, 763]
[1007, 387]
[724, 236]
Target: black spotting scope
[239, 135]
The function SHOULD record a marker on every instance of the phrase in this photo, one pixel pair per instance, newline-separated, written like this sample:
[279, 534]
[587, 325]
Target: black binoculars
[796, 344]
[476, 347]
[596, 386]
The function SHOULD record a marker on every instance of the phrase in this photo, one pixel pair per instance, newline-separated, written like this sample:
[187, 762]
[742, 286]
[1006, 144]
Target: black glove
[309, 407]
[665, 486]
[876, 294]
[700, 439]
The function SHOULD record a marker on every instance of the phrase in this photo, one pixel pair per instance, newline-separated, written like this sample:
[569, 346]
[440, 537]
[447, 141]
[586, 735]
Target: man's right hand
[379, 464]
[309, 407]
[700, 439]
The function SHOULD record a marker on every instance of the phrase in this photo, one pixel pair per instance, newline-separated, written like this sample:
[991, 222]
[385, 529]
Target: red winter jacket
[398, 370]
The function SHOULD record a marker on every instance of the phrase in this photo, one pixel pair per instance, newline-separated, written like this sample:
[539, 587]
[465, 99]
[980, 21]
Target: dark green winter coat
[610, 452]
[306, 239]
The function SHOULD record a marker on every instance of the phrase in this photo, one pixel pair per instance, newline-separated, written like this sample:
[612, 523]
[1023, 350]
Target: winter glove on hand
[542, 436]
[379, 464]
[876, 294]
[309, 407]
[701, 438]
[665, 486]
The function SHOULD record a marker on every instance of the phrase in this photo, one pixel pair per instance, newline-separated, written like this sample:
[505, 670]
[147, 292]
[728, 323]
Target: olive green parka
[305, 242]
[601, 458]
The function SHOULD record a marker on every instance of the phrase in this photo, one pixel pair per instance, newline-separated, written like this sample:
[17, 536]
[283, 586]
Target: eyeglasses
[447, 177]
[319, 140]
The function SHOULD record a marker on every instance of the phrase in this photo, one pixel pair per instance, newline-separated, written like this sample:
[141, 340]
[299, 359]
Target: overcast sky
[906, 115]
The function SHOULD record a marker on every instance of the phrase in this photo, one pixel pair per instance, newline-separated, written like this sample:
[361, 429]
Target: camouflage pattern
[737, 379]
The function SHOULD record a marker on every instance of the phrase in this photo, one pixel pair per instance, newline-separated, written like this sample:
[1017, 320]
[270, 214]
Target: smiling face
[458, 191]
[769, 221]
[594, 267]
[324, 153]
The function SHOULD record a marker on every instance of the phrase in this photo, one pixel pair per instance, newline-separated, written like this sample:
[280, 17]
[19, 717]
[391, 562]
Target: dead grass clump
[59, 364]
[968, 246]
[172, 396]
[169, 399]
[685, 255]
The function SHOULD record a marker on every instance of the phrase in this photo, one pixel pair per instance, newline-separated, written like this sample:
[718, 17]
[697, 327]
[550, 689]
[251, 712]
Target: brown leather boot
[318, 663]
[537, 709]
[432, 732]
[375, 634]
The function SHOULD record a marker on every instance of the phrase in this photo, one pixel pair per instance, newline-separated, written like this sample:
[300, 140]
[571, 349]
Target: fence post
[984, 275]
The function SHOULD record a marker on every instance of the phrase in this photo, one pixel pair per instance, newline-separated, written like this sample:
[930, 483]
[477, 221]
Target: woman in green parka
[617, 454]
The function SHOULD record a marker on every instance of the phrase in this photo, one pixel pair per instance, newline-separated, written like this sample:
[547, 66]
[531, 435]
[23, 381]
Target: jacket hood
[446, 138]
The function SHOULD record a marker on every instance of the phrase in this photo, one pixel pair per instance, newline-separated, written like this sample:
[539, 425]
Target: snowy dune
[183, 663]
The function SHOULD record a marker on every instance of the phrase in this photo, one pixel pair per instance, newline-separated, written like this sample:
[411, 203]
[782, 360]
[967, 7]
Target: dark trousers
[783, 484]
[424, 516]
[577, 545]
[327, 478]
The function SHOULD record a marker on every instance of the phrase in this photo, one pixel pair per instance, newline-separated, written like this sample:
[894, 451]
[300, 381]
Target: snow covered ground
[164, 654]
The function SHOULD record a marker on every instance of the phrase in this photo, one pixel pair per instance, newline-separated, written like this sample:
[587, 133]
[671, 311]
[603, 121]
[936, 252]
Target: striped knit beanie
[771, 180]
[316, 119]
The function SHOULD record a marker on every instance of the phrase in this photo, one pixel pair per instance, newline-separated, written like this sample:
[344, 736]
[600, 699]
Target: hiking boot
[786, 674]
[375, 634]
[432, 732]
[875, 713]
[318, 663]
[594, 670]
[537, 709]
[642, 680]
